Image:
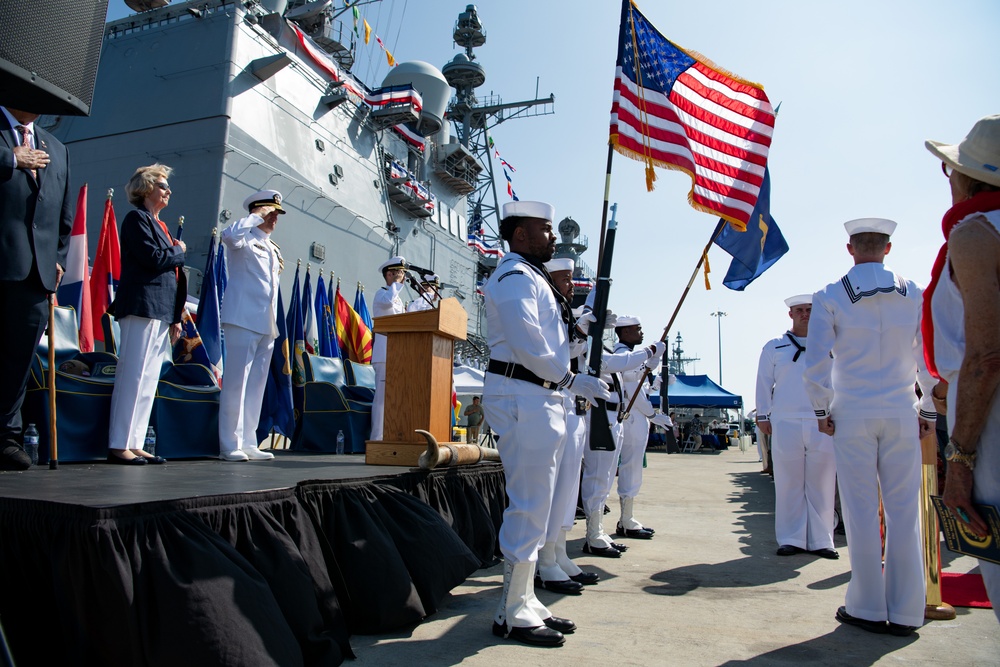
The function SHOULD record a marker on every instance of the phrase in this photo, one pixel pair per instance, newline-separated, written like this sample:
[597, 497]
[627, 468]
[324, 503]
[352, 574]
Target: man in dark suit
[36, 217]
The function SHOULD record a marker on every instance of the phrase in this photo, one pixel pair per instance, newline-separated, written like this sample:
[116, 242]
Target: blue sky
[861, 86]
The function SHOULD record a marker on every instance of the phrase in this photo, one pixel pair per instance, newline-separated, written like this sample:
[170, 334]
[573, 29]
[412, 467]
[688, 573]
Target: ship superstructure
[242, 96]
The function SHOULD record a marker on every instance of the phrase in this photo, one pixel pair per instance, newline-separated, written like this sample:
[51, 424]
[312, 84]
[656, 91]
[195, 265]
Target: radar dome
[432, 86]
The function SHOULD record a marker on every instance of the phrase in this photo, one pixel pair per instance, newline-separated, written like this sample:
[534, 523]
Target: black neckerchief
[799, 349]
[565, 310]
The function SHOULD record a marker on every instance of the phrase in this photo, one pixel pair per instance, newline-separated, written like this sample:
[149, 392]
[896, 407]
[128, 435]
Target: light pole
[719, 314]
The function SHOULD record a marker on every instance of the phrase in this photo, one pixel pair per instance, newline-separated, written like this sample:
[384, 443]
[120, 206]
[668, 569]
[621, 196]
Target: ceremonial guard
[556, 570]
[249, 322]
[862, 358]
[635, 427]
[385, 302]
[529, 329]
[599, 466]
[428, 294]
[805, 473]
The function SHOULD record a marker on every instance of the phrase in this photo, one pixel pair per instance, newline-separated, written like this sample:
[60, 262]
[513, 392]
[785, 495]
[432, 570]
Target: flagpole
[53, 444]
[677, 309]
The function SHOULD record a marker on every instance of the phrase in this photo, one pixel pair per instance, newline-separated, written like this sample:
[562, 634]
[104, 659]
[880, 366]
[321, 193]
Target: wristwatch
[953, 454]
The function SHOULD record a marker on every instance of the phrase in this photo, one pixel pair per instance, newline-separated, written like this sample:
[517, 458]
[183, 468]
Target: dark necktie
[26, 141]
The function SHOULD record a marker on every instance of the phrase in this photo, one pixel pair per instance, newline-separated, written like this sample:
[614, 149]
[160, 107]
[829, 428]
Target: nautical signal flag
[74, 289]
[107, 268]
[673, 108]
[756, 249]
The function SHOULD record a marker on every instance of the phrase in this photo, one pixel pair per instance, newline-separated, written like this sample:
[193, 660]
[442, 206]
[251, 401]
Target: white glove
[584, 322]
[656, 351]
[610, 320]
[590, 387]
[661, 419]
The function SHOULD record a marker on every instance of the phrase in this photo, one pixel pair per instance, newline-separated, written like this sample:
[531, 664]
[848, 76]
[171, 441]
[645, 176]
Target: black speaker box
[49, 52]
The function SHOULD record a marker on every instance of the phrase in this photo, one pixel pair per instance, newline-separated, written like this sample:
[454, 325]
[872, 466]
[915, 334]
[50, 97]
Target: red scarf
[984, 202]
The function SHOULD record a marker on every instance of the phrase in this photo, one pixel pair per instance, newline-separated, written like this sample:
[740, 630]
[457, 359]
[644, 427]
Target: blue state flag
[324, 320]
[361, 308]
[756, 249]
[297, 345]
[277, 409]
[209, 303]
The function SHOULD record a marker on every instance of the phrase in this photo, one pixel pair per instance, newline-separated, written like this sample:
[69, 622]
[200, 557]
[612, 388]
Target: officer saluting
[428, 294]
[386, 302]
[249, 322]
[529, 327]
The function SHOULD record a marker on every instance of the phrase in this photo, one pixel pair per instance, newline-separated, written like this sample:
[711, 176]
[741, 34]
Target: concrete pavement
[707, 590]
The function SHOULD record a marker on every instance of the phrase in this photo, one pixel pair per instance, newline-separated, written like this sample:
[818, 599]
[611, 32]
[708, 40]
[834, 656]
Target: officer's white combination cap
[877, 225]
[396, 262]
[529, 209]
[430, 279]
[799, 300]
[559, 264]
[627, 321]
[264, 198]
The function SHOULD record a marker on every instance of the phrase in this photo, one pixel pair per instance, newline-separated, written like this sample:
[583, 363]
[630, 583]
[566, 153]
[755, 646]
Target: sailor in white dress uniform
[805, 472]
[529, 324]
[635, 427]
[249, 314]
[428, 294]
[385, 302]
[862, 356]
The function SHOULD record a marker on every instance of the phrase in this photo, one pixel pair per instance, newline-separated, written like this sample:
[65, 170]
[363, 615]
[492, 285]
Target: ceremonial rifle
[600, 428]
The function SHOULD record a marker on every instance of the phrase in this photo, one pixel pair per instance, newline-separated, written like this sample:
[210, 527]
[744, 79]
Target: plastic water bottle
[31, 443]
[150, 443]
[340, 442]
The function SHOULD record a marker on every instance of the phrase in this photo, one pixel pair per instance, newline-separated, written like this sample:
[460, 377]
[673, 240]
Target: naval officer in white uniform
[635, 427]
[249, 323]
[862, 356]
[428, 294]
[386, 302]
[805, 472]
[529, 327]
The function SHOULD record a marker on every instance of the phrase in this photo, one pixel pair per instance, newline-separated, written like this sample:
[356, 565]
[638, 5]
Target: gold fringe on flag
[708, 270]
[644, 117]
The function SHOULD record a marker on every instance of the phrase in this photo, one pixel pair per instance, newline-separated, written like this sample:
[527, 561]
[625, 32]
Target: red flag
[353, 334]
[74, 289]
[107, 269]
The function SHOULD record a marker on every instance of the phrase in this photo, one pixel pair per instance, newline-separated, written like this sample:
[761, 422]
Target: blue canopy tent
[698, 391]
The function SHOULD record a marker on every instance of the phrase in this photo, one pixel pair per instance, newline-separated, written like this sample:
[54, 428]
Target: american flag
[678, 110]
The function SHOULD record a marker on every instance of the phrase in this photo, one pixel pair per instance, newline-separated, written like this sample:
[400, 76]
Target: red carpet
[964, 590]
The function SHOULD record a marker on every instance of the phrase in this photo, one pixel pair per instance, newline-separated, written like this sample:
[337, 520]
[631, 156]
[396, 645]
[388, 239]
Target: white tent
[468, 380]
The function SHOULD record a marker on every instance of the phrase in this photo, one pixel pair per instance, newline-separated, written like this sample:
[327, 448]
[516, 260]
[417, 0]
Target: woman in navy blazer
[151, 294]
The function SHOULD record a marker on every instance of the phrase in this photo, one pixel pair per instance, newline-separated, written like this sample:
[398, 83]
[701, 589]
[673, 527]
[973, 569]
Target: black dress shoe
[788, 550]
[878, 627]
[539, 635]
[618, 546]
[607, 552]
[826, 553]
[900, 630]
[637, 533]
[563, 625]
[586, 578]
[137, 461]
[154, 460]
[13, 456]
[565, 586]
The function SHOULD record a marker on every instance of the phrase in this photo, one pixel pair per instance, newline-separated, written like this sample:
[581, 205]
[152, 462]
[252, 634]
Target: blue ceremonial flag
[361, 308]
[327, 328]
[277, 410]
[310, 326]
[209, 303]
[756, 249]
[297, 343]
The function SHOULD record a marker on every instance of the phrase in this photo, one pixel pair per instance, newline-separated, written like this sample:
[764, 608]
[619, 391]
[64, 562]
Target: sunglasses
[163, 186]
[946, 169]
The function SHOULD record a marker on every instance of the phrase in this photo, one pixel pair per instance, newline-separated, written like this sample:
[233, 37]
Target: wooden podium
[419, 354]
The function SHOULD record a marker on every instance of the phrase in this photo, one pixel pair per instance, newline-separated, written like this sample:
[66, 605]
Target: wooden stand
[419, 358]
[935, 609]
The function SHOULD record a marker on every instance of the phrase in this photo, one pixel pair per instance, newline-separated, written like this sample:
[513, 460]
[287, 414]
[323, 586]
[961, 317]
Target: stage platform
[205, 562]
